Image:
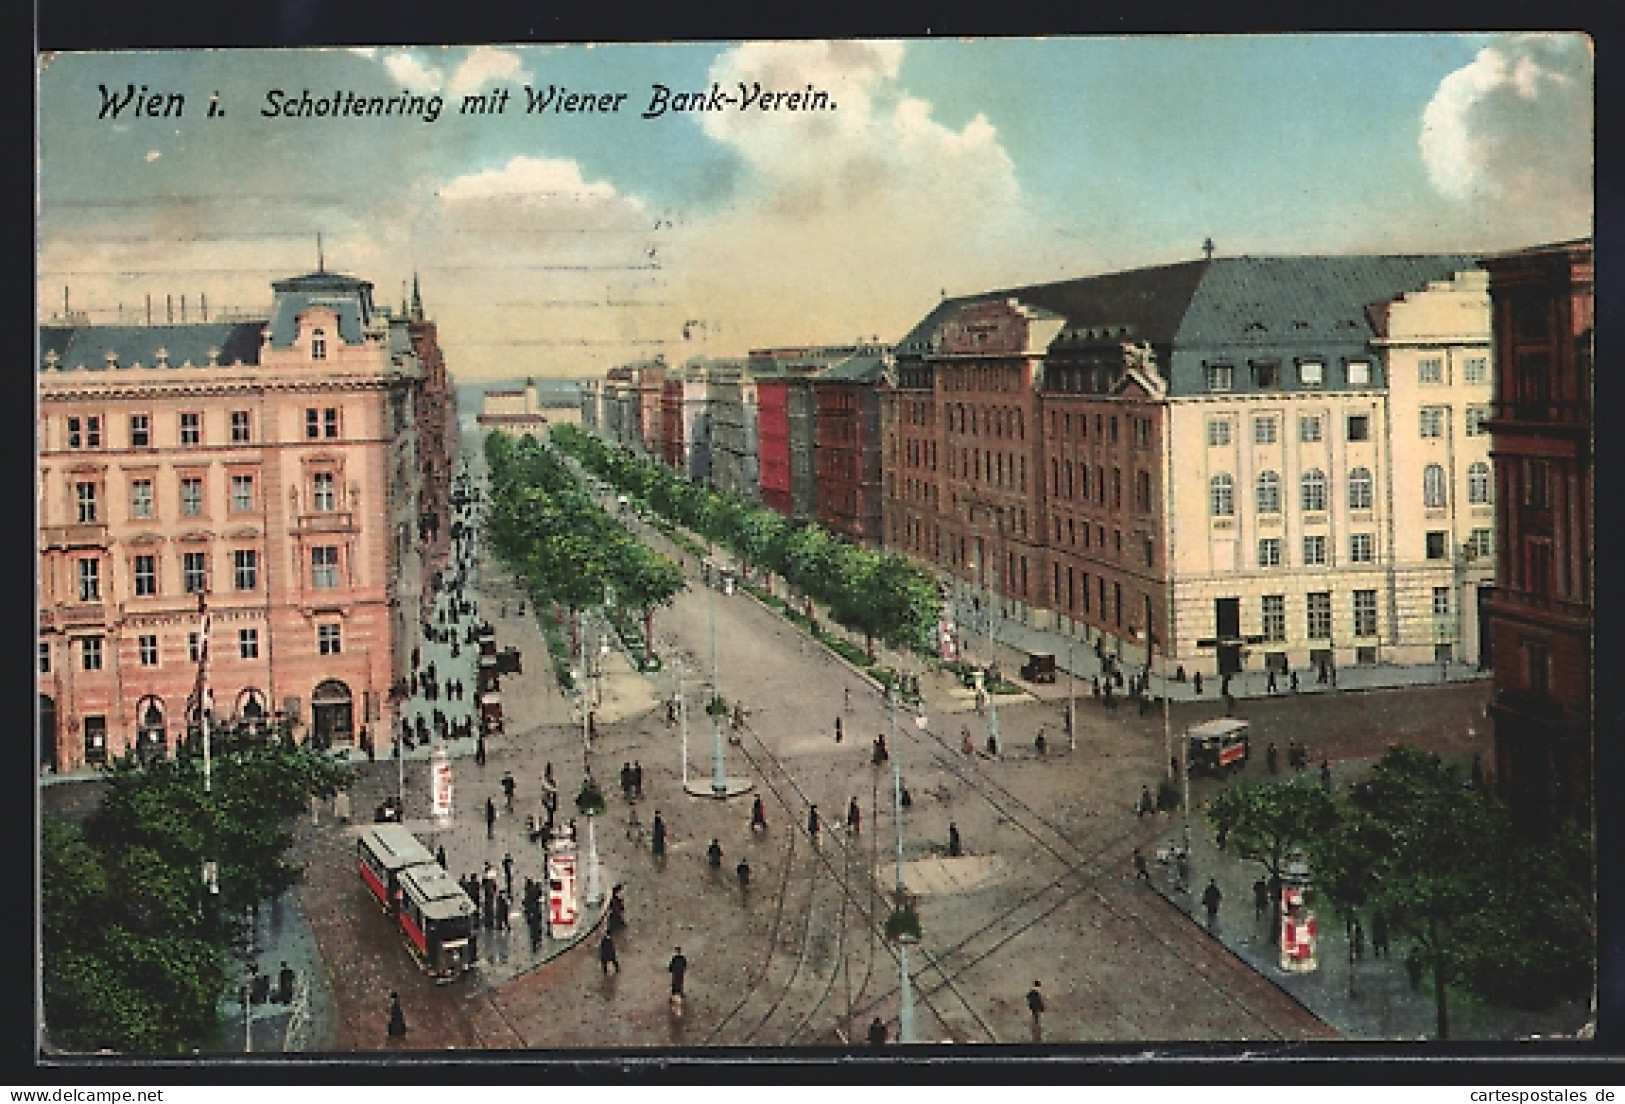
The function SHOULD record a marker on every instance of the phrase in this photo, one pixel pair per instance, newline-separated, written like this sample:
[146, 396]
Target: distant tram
[431, 910]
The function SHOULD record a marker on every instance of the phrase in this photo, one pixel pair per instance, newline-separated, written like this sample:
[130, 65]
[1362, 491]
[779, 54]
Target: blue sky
[563, 244]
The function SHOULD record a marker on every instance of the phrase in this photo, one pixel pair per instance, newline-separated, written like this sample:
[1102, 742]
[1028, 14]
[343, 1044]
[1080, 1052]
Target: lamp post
[719, 774]
[1071, 697]
[905, 1011]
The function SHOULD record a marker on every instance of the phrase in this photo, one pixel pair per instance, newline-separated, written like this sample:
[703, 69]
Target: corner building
[275, 465]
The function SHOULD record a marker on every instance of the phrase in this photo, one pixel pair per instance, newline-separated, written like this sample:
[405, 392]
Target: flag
[201, 700]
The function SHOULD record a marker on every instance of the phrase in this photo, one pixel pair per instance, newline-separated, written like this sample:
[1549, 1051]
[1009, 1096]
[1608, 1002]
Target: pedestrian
[678, 968]
[966, 744]
[742, 872]
[1379, 935]
[397, 1018]
[1325, 774]
[1196, 683]
[490, 819]
[880, 754]
[547, 777]
[877, 1032]
[1357, 940]
[854, 817]
[837, 730]
[284, 985]
[1035, 1005]
[637, 779]
[905, 799]
[1040, 745]
[502, 906]
[758, 815]
[508, 789]
[1272, 687]
[657, 836]
[479, 750]
[1211, 896]
[955, 847]
[626, 781]
[848, 692]
[1292, 682]
[812, 822]
[507, 871]
[1261, 898]
[440, 855]
[992, 746]
[713, 855]
[617, 911]
[1141, 871]
[606, 954]
[1148, 805]
[1272, 759]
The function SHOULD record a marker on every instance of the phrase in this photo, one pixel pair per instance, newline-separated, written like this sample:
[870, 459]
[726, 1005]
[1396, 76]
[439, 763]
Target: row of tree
[136, 940]
[562, 545]
[882, 595]
[1484, 905]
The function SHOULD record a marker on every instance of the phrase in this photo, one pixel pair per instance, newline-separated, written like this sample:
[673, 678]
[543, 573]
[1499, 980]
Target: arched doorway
[331, 715]
[151, 735]
[251, 716]
[47, 734]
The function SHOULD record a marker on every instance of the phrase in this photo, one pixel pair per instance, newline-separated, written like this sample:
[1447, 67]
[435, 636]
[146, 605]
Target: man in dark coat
[1035, 1005]
[397, 1018]
[877, 1032]
[657, 836]
[813, 822]
[606, 954]
[678, 968]
[1211, 896]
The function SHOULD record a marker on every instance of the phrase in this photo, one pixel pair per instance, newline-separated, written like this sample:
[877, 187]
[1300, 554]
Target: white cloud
[486, 65]
[531, 180]
[411, 72]
[1515, 127]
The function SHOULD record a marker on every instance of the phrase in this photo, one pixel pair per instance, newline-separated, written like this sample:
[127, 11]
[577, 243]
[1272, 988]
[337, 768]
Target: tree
[646, 580]
[1269, 824]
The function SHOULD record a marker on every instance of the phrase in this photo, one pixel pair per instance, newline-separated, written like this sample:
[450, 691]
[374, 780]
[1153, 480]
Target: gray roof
[857, 369]
[346, 296]
[88, 347]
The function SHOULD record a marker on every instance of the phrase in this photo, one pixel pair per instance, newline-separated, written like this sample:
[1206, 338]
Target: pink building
[273, 465]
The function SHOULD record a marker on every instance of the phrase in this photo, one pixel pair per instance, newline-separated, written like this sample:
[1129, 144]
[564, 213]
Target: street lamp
[1071, 697]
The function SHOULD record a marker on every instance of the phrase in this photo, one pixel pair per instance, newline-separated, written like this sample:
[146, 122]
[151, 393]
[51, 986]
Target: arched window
[1478, 483]
[1222, 496]
[1360, 489]
[1269, 493]
[1314, 491]
[1433, 489]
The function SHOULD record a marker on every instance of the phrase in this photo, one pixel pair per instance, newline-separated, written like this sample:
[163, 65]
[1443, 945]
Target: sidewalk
[1369, 998]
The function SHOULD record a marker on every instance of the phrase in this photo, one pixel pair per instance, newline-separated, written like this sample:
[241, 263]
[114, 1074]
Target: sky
[562, 244]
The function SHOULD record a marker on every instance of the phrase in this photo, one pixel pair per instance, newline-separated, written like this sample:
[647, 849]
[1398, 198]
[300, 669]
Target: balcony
[327, 521]
[1513, 415]
[77, 614]
[1516, 601]
[71, 537]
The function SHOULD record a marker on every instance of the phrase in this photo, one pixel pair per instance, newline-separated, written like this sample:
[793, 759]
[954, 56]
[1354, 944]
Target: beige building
[269, 464]
[520, 413]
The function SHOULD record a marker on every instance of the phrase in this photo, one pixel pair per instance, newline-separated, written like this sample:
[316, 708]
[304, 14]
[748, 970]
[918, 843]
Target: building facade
[271, 466]
[1540, 612]
[846, 448]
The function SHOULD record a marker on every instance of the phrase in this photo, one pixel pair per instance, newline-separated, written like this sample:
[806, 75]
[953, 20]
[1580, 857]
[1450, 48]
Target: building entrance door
[331, 714]
[1227, 625]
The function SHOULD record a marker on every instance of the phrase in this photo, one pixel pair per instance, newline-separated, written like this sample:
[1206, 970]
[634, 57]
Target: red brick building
[1539, 615]
[773, 443]
[846, 435]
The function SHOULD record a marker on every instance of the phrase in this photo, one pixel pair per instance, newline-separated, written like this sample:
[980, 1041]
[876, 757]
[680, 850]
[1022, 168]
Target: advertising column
[562, 907]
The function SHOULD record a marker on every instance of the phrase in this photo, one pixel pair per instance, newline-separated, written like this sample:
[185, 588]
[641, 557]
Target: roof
[857, 369]
[438, 894]
[1219, 726]
[183, 343]
[395, 845]
[347, 296]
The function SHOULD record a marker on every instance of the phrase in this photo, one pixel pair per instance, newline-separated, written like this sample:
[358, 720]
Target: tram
[433, 913]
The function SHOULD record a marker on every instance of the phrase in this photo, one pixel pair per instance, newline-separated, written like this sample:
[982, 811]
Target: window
[90, 653]
[1142, 490]
[1359, 427]
[1475, 369]
[1433, 421]
[1433, 487]
[191, 429]
[324, 567]
[1221, 496]
[194, 647]
[1220, 377]
[1314, 551]
[241, 431]
[1537, 665]
[191, 495]
[93, 431]
[245, 568]
[1430, 370]
[140, 431]
[1272, 613]
[85, 497]
[1309, 429]
[1481, 543]
[1441, 601]
[76, 438]
[194, 571]
[1474, 421]
[327, 639]
[242, 493]
[330, 422]
[1314, 491]
[141, 498]
[90, 580]
[1360, 548]
[1437, 546]
[1359, 373]
[1266, 373]
[313, 422]
[1365, 613]
[1263, 431]
[1537, 483]
[1478, 483]
[318, 345]
[248, 643]
[1218, 431]
[1311, 373]
[44, 657]
[1360, 484]
[146, 576]
[1318, 625]
[148, 646]
[1268, 493]
[1269, 552]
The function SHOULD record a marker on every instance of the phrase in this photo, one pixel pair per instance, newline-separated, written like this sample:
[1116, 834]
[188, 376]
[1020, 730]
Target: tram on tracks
[434, 915]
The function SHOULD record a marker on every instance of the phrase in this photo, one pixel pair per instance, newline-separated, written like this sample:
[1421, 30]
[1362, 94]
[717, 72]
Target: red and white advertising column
[441, 785]
[1298, 931]
[563, 908]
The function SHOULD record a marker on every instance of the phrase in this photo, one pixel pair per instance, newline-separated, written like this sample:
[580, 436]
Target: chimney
[149, 308]
[169, 307]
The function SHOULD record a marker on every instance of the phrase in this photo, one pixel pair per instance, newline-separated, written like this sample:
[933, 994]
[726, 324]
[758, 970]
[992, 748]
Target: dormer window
[318, 345]
[1311, 373]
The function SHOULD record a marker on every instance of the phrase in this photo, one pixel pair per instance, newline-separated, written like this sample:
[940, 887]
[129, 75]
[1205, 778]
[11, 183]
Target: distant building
[520, 413]
[285, 467]
[846, 435]
[1540, 613]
